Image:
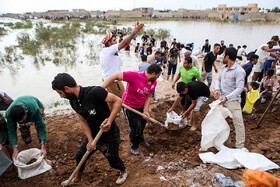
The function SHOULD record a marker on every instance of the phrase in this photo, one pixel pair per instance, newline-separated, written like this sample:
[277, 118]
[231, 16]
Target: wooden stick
[83, 159]
[143, 115]
[258, 126]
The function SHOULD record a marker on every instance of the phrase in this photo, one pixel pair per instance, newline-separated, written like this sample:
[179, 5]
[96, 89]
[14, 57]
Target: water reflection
[22, 75]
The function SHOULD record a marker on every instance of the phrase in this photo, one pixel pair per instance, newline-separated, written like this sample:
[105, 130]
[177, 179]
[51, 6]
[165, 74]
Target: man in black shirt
[145, 37]
[172, 58]
[163, 43]
[153, 40]
[149, 50]
[207, 64]
[223, 47]
[199, 94]
[206, 48]
[91, 105]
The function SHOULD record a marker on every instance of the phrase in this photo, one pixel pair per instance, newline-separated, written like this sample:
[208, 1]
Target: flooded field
[30, 77]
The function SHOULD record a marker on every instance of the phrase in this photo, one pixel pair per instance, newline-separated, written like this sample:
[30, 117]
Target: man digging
[91, 105]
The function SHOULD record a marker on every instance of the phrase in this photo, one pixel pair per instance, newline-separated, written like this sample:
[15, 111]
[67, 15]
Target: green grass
[3, 31]
[20, 25]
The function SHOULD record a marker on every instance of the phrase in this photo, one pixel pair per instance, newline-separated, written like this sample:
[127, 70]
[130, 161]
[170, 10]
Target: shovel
[143, 115]
[259, 124]
[84, 158]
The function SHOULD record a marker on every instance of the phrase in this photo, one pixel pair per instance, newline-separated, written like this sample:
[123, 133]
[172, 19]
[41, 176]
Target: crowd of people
[97, 106]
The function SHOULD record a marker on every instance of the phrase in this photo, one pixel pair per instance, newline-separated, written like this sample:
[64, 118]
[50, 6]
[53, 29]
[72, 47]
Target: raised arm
[128, 39]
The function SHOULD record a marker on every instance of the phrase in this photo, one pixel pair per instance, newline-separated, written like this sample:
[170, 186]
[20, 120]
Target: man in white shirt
[241, 52]
[263, 52]
[110, 61]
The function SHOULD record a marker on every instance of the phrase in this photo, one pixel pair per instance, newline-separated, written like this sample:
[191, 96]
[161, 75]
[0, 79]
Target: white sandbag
[255, 161]
[29, 170]
[236, 158]
[214, 128]
[223, 158]
[173, 117]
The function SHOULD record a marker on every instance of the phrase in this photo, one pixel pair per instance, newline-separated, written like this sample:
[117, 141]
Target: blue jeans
[266, 66]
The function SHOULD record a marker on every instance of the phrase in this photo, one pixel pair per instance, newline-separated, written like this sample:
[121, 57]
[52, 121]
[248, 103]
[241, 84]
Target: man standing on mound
[138, 95]
[91, 105]
[110, 60]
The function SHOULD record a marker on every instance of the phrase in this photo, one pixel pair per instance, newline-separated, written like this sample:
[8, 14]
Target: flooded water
[26, 77]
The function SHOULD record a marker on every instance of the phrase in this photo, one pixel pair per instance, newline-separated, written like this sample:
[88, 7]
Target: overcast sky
[21, 6]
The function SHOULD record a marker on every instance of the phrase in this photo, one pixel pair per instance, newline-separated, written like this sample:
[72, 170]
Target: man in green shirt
[188, 72]
[26, 110]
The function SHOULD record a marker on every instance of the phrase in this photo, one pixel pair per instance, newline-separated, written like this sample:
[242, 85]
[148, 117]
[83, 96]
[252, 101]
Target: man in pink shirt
[138, 95]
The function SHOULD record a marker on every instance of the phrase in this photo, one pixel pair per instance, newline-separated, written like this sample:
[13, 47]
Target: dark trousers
[109, 150]
[137, 125]
[25, 133]
[243, 99]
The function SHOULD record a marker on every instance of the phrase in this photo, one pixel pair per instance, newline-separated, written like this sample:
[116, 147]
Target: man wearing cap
[263, 52]
[110, 61]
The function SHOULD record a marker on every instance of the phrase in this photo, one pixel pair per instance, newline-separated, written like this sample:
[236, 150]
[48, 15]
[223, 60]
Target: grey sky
[20, 6]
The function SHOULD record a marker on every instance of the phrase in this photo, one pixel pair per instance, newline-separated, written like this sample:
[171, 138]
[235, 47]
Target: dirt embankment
[172, 159]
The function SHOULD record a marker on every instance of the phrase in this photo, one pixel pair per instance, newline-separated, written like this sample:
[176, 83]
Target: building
[224, 8]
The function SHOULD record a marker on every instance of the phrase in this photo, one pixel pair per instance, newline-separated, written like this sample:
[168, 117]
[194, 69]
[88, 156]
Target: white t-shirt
[110, 61]
[274, 47]
[263, 56]
[195, 62]
[241, 51]
[183, 51]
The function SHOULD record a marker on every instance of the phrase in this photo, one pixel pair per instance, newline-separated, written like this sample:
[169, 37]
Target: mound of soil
[171, 160]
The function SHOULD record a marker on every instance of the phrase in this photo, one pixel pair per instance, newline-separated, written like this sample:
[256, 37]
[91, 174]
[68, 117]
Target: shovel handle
[143, 115]
[97, 137]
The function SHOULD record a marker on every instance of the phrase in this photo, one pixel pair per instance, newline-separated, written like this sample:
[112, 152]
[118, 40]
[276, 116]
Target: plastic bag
[251, 97]
[5, 162]
[260, 178]
[29, 170]
[236, 158]
[174, 118]
[214, 128]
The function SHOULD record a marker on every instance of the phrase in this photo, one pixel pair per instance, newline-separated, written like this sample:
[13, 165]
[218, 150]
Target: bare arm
[267, 49]
[184, 115]
[147, 105]
[5, 100]
[177, 78]
[116, 76]
[203, 67]
[215, 67]
[201, 80]
[128, 39]
[86, 128]
[176, 102]
[117, 103]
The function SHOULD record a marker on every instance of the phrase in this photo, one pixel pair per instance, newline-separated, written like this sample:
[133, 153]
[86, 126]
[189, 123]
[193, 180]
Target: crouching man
[26, 111]
[91, 105]
[199, 94]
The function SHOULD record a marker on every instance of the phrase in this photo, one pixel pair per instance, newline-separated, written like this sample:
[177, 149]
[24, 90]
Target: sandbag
[174, 118]
[214, 128]
[251, 97]
[29, 170]
[236, 158]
